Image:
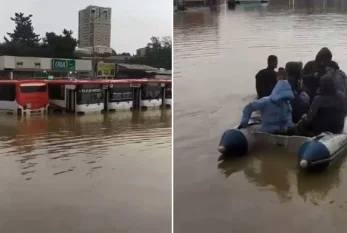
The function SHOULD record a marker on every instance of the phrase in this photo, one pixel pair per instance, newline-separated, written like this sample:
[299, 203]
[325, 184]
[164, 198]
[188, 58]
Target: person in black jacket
[266, 79]
[301, 102]
[315, 69]
[327, 112]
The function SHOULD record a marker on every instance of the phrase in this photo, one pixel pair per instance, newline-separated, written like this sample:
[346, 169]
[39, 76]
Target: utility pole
[93, 44]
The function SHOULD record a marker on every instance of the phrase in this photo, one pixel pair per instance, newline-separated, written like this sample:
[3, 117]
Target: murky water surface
[93, 173]
[217, 54]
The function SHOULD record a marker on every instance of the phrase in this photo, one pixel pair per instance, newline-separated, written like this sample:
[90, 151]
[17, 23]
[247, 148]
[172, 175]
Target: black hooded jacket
[328, 110]
[315, 69]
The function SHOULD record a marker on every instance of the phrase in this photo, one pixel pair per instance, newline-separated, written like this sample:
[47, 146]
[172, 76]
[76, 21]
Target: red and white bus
[23, 97]
[120, 95]
[79, 96]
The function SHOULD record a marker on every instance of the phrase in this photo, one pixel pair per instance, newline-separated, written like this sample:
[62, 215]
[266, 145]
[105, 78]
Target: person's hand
[316, 75]
[302, 120]
[242, 126]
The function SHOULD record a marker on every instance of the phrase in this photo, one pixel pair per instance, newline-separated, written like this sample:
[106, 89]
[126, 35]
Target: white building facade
[12, 67]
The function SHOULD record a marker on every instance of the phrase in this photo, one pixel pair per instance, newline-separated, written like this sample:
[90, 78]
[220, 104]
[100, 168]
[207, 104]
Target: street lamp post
[93, 44]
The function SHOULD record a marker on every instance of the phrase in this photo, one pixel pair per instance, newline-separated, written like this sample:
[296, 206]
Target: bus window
[56, 92]
[127, 96]
[32, 89]
[7, 92]
[89, 96]
[151, 92]
[116, 96]
[120, 93]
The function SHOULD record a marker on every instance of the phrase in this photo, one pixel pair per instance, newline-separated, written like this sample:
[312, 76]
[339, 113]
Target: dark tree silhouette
[158, 53]
[60, 46]
[24, 31]
[24, 42]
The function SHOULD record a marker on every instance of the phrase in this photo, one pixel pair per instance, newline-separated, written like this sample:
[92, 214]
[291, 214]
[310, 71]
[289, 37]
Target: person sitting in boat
[339, 76]
[301, 102]
[327, 112]
[315, 69]
[275, 109]
[265, 80]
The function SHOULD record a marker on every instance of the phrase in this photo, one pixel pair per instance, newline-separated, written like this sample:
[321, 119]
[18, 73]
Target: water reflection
[265, 171]
[272, 171]
[65, 137]
[315, 188]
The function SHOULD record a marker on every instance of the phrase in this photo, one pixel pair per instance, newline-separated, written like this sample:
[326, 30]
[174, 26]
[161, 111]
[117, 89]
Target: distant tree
[158, 53]
[60, 46]
[105, 54]
[24, 31]
[124, 54]
[114, 52]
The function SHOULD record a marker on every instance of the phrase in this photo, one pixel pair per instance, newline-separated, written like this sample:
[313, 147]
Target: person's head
[282, 91]
[272, 61]
[331, 67]
[294, 69]
[327, 85]
[281, 74]
[324, 56]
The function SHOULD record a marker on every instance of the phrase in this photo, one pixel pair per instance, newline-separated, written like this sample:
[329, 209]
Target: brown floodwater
[92, 173]
[217, 53]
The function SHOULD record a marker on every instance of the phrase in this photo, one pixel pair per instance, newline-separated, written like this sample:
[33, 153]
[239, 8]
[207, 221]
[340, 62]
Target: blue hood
[282, 91]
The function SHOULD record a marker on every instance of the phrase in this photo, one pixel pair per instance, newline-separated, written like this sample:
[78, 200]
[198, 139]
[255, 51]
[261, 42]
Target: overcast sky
[133, 21]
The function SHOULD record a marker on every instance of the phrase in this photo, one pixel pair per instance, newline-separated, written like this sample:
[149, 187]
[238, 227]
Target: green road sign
[63, 64]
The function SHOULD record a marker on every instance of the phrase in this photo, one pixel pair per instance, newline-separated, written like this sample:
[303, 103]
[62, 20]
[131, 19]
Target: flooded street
[93, 173]
[216, 56]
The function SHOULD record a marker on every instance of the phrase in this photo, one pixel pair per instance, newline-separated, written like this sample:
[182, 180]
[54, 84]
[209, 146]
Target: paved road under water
[217, 54]
[94, 173]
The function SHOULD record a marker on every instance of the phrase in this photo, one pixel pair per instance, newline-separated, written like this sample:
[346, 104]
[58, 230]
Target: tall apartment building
[102, 26]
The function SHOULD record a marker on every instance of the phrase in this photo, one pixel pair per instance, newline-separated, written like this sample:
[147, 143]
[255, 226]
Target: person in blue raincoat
[275, 110]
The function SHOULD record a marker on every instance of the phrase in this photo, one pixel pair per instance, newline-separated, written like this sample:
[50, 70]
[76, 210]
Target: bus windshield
[120, 93]
[89, 97]
[33, 88]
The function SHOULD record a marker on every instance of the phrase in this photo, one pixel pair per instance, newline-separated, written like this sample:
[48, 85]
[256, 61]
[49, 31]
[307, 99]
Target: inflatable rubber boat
[315, 153]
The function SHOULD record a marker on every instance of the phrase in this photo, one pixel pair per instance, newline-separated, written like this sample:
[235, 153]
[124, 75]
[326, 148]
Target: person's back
[327, 112]
[339, 77]
[275, 109]
[329, 119]
[301, 102]
[300, 105]
[265, 80]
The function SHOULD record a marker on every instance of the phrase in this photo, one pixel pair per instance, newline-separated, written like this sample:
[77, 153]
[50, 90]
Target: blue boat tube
[237, 142]
[321, 151]
[233, 142]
